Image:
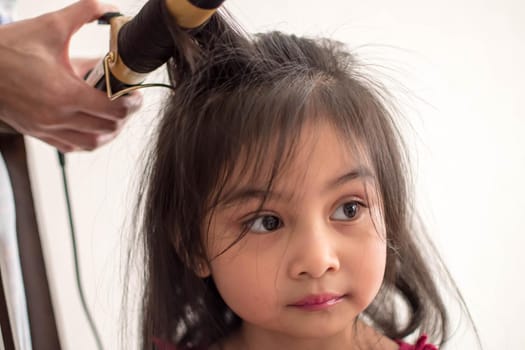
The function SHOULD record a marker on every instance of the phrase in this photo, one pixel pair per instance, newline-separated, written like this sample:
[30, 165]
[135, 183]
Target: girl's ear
[202, 270]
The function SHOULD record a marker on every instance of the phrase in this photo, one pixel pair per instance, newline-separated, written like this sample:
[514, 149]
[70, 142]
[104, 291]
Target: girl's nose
[313, 252]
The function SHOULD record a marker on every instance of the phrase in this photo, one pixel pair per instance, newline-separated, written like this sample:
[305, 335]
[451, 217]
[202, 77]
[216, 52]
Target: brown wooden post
[44, 333]
[5, 324]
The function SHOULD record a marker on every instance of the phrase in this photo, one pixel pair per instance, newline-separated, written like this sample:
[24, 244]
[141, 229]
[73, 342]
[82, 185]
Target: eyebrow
[357, 173]
[247, 193]
[244, 194]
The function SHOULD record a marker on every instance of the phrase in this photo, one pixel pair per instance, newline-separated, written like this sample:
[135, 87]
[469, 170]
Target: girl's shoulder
[421, 344]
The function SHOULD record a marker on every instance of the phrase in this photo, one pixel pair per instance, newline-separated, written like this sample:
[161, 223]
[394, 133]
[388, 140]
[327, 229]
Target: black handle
[145, 43]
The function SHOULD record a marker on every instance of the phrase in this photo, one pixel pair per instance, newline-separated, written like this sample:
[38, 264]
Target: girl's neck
[359, 337]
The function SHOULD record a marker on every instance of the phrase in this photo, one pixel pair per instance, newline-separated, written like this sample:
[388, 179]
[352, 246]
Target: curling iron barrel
[140, 45]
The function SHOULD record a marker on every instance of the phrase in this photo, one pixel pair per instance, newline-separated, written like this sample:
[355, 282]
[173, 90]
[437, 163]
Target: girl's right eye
[264, 224]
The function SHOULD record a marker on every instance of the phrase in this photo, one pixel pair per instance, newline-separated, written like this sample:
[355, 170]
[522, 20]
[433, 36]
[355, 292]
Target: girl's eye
[264, 223]
[348, 211]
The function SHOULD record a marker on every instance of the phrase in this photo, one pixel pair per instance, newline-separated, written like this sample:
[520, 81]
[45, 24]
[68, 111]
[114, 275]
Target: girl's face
[314, 257]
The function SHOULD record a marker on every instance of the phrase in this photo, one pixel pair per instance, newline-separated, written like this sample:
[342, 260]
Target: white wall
[461, 62]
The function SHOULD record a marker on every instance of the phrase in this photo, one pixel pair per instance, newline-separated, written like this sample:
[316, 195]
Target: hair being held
[240, 111]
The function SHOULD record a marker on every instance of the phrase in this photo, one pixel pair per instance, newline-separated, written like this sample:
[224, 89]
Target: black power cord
[62, 161]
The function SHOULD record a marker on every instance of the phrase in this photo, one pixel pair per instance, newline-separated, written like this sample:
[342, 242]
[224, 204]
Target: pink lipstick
[316, 302]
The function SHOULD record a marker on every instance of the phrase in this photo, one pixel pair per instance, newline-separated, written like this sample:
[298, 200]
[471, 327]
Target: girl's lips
[318, 301]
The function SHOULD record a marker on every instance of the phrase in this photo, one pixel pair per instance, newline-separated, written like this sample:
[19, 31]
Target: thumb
[81, 12]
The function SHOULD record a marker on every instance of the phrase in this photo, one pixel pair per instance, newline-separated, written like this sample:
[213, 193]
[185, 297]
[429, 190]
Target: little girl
[274, 209]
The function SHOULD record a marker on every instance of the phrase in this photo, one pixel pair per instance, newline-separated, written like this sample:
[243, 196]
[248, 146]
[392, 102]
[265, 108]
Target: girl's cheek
[367, 263]
[221, 233]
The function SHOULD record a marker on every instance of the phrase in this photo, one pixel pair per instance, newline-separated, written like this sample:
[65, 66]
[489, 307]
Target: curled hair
[238, 92]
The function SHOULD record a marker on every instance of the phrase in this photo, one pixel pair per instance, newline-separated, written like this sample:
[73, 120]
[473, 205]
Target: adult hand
[42, 93]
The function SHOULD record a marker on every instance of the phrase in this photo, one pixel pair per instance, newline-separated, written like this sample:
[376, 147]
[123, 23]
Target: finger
[81, 140]
[95, 102]
[83, 122]
[60, 145]
[82, 12]
[133, 101]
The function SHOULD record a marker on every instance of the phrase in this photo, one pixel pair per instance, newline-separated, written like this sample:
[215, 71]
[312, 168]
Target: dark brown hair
[235, 91]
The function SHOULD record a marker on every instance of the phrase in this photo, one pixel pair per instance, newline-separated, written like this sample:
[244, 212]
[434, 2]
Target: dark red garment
[421, 344]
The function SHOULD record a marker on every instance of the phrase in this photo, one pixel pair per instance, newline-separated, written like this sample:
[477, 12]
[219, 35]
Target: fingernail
[134, 100]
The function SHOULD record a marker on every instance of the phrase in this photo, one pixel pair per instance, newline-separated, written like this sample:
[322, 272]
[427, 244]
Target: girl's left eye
[347, 211]
[264, 224]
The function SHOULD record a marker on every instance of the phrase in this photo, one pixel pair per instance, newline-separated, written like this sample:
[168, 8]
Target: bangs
[259, 136]
[258, 141]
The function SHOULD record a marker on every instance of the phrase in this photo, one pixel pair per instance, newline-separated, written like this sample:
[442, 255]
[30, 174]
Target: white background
[457, 68]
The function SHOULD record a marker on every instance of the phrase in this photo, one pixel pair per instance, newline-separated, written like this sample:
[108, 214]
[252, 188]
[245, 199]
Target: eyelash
[248, 224]
[360, 206]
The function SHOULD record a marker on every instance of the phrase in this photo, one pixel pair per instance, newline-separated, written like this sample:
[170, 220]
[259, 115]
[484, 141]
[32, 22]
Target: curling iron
[140, 45]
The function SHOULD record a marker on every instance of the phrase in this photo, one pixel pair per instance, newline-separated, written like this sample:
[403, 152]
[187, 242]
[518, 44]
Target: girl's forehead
[319, 152]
